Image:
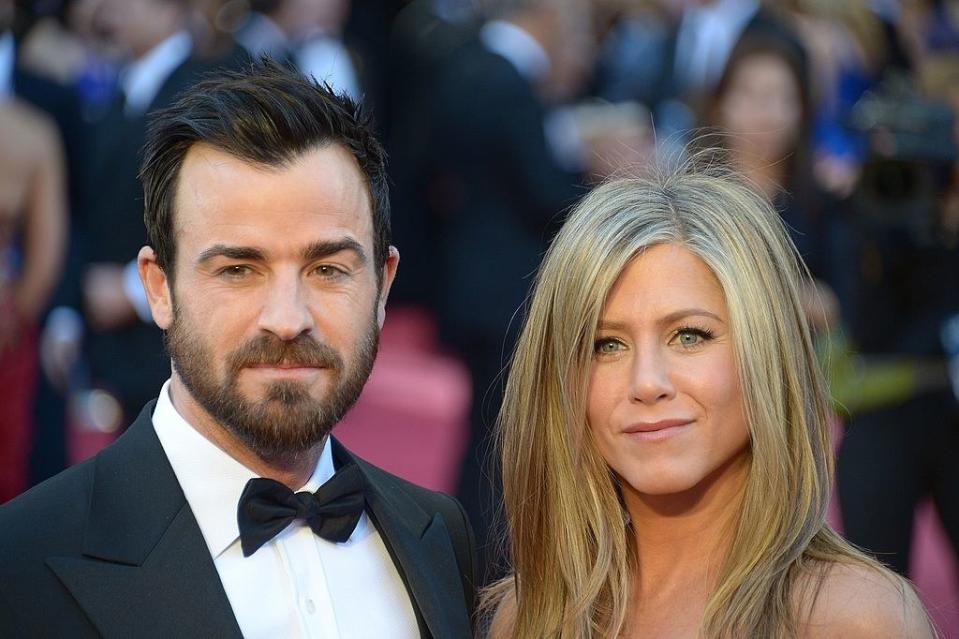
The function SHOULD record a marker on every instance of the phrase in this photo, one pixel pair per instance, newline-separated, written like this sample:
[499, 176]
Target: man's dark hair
[267, 114]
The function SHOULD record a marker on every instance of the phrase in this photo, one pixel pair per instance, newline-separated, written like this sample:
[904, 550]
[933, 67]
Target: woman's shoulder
[853, 601]
[500, 601]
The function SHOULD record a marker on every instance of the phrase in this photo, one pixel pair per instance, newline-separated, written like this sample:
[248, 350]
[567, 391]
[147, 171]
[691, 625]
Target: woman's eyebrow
[615, 325]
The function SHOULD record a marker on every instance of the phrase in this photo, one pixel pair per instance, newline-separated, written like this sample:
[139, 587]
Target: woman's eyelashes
[687, 337]
[691, 336]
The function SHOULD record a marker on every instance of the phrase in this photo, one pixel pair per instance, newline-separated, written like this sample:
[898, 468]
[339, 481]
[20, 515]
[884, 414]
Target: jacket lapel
[145, 569]
[421, 546]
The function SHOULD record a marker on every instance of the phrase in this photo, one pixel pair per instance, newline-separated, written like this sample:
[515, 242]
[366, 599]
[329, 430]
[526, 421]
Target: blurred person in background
[905, 309]
[31, 84]
[63, 44]
[762, 111]
[848, 47]
[670, 54]
[307, 33]
[269, 28]
[497, 187]
[124, 348]
[33, 230]
[637, 49]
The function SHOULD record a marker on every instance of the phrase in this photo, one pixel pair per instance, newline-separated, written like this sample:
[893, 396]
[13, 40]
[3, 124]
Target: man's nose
[286, 312]
[650, 379]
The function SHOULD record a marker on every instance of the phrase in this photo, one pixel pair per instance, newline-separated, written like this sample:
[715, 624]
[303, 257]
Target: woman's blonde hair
[567, 542]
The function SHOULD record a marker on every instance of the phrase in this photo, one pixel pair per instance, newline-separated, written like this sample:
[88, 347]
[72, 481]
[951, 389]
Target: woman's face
[762, 106]
[664, 401]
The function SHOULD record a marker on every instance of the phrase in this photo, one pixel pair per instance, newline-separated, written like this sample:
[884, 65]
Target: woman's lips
[655, 431]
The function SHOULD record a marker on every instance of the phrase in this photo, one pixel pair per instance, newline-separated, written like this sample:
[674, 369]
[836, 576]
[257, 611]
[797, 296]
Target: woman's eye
[606, 346]
[688, 339]
[692, 337]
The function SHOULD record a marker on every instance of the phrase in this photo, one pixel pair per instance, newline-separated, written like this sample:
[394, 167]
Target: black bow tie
[267, 507]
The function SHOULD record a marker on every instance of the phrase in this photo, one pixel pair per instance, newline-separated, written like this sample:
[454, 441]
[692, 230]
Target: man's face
[275, 309]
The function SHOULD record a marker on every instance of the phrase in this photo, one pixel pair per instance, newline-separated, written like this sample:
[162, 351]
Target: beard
[288, 421]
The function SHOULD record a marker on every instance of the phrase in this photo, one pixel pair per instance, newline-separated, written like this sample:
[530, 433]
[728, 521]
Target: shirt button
[310, 606]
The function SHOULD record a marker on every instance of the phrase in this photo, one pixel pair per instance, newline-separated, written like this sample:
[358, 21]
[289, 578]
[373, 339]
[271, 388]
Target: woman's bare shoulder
[856, 601]
[504, 616]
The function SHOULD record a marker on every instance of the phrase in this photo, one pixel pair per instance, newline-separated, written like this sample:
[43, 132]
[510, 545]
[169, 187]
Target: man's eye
[235, 271]
[328, 271]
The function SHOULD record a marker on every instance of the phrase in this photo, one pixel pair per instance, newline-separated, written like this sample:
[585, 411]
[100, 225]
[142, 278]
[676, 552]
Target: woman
[664, 434]
[33, 227]
[762, 113]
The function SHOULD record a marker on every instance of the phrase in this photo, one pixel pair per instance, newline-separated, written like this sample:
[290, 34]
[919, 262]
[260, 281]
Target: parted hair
[567, 540]
[267, 114]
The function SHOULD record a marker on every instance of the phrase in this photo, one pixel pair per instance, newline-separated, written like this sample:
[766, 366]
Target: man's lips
[285, 366]
[286, 369]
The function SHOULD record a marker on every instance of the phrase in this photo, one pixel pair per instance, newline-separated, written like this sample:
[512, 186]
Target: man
[268, 268]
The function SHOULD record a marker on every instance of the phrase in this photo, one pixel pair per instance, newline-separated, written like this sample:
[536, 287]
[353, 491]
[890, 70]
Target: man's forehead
[318, 194]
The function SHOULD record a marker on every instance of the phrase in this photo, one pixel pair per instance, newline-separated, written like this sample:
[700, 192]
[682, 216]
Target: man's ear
[157, 287]
[389, 273]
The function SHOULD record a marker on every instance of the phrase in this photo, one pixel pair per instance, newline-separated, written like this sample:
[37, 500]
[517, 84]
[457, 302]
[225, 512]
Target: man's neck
[293, 470]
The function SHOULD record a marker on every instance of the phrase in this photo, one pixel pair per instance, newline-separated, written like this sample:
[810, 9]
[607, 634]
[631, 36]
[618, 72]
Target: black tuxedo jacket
[111, 548]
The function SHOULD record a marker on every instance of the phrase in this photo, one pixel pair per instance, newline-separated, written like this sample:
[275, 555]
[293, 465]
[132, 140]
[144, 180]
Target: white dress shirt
[515, 44]
[142, 79]
[297, 584]
[707, 35]
[327, 59]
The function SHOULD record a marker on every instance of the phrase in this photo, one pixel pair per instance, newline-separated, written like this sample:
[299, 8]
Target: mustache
[271, 351]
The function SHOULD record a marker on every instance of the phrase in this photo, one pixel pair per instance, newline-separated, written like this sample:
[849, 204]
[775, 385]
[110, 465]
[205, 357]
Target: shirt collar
[521, 49]
[211, 480]
[260, 36]
[141, 79]
[7, 59]
[732, 11]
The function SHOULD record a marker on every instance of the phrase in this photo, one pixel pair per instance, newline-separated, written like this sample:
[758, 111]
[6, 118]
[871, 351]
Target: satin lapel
[421, 545]
[145, 569]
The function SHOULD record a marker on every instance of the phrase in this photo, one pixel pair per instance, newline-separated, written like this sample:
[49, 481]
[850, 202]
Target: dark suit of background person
[499, 194]
[111, 548]
[128, 360]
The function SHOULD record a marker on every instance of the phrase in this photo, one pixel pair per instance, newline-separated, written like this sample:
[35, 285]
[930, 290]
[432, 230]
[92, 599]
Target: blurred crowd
[498, 115]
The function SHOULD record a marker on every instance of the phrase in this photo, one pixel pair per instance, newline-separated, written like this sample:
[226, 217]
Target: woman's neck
[682, 538]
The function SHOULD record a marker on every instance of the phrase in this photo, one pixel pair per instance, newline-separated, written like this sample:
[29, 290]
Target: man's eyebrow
[319, 250]
[231, 252]
[610, 325]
